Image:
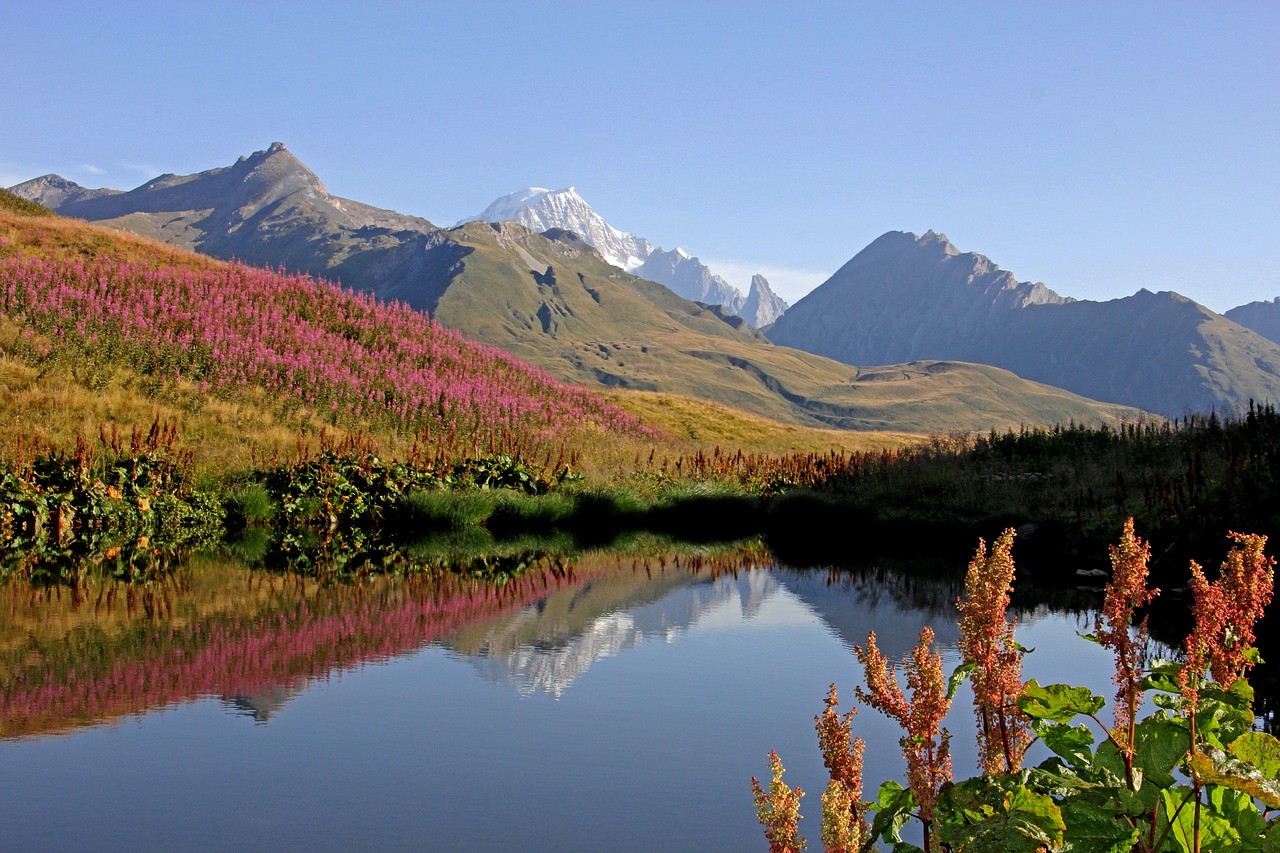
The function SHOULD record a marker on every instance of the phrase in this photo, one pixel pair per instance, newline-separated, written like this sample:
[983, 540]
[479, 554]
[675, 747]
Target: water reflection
[103, 649]
[586, 696]
[106, 649]
[546, 647]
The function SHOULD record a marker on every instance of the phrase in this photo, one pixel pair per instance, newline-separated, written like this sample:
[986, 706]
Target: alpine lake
[605, 700]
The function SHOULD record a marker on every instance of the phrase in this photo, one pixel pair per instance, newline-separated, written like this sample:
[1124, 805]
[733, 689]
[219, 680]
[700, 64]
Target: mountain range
[552, 300]
[907, 297]
[1262, 317]
[540, 209]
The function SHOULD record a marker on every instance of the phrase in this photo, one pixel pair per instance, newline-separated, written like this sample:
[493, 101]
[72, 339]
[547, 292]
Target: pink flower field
[231, 329]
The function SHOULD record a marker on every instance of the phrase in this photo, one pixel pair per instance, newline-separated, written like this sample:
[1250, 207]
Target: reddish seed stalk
[987, 641]
[926, 744]
[1126, 592]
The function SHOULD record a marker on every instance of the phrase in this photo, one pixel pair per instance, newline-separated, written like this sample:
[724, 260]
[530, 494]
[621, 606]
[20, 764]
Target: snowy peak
[506, 208]
[541, 209]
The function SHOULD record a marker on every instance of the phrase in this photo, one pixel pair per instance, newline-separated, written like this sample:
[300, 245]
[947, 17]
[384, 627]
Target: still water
[613, 704]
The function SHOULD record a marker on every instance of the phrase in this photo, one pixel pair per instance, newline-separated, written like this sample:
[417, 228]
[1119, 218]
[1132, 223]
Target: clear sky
[1097, 147]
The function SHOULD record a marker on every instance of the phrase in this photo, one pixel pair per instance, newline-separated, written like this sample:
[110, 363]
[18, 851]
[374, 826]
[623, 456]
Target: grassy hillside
[57, 386]
[556, 304]
[184, 334]
[551, 301]
[11, 203]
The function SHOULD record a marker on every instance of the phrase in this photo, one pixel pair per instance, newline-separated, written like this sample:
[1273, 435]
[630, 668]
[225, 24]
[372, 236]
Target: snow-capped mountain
[540, 209]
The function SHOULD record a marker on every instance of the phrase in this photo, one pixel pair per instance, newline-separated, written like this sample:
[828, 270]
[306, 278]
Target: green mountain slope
[552, 301]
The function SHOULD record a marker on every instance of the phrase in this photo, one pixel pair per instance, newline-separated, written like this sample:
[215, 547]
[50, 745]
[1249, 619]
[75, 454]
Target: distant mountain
[540, 209]
[906, 297]
[690, 278]
[551, 300]
[1262, 317]
[762, 306]
[267, 209]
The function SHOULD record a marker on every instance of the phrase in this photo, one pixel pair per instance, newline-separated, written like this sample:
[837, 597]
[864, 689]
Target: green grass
[600, 326]
[11, 203]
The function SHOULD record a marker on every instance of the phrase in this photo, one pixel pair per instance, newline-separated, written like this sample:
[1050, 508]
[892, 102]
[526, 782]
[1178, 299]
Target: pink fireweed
[232, 329]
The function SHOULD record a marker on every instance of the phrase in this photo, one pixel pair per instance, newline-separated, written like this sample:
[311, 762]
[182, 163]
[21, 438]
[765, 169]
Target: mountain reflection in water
[76, 657]
[256, 640]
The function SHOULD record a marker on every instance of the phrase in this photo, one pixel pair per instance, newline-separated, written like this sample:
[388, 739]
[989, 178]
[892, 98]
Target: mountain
[551, 300]
[907, 297]
[762, 306]
[1261, 317]
[267, 209]
[541, 209]
[690, 278]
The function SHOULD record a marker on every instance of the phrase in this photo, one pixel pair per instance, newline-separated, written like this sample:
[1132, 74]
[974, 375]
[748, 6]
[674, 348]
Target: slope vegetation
[107, 312]
[550, 300]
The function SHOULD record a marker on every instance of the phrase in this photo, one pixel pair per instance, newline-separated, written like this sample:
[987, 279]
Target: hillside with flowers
[552, 301]
[120, 317]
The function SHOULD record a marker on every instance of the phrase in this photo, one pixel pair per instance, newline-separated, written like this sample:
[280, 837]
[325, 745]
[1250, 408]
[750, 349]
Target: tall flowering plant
[994, 657]
[1192, 776]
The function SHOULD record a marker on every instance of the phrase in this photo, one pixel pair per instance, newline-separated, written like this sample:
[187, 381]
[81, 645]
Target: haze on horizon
[1097, 148]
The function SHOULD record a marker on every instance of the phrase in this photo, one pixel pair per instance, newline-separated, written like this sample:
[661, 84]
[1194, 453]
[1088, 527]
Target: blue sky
[1097, 147]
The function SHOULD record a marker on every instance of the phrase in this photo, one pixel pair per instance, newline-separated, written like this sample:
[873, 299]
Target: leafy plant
[1190, 777]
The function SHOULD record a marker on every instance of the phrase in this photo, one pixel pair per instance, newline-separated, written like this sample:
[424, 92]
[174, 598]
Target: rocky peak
[762, 305]
[52, 191]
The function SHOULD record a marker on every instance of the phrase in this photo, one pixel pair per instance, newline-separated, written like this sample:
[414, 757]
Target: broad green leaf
[1271, 838]
[1058, 702]
[1259, 749]
[1216, 767]
[1161, 746]
[893, 808]
[1215, 833]
[1220, 724]
[1093, 638]
[1015, 819]
[1239, 810]
[1090, 830]
[1074, 743]
[1163, 676]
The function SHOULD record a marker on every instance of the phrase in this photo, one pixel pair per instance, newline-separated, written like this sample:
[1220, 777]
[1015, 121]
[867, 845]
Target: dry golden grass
[57, 403]
[700, 425]
[58, 237]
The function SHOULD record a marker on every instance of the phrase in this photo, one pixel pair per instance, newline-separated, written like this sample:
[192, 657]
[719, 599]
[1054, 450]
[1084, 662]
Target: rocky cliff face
[762, 306]
[690, 278]
[906, 297]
